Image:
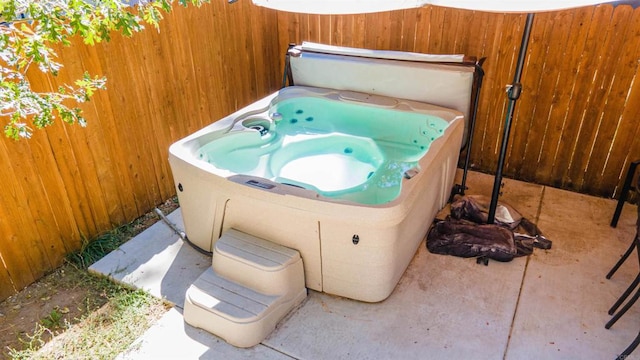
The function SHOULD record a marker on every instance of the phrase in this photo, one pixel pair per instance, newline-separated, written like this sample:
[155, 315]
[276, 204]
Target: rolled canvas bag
[466, 239]
[465, 232]
[476, 208]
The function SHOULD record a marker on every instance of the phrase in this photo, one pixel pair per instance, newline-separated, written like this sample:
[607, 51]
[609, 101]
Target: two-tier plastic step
[251, 286]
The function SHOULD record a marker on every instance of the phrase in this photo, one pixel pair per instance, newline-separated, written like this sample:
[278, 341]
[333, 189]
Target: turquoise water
[340, 150]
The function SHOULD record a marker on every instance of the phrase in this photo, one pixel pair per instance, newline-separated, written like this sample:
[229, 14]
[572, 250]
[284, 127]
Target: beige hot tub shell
[348, 249]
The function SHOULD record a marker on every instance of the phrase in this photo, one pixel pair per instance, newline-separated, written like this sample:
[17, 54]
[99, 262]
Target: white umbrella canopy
[368, 6]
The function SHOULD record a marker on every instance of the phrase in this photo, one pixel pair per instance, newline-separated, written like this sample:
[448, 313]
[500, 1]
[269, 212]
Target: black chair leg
[622, 259]
[634, 344]
[624, 309]
[623, 194]
[635, 244]
[624, 295]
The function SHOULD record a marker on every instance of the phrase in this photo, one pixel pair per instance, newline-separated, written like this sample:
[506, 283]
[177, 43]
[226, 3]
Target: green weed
[53, 320]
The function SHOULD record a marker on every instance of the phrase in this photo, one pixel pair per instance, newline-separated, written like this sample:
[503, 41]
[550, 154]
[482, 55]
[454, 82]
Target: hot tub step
[251, 287]
[257, 263]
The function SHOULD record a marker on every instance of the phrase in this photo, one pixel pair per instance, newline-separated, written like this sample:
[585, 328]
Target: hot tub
[350, 180]
[348, 165]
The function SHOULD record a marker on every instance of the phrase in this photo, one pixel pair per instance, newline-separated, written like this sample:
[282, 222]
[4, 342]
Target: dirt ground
[56, 301]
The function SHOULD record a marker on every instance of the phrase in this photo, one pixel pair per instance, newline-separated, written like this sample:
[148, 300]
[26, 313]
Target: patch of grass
[106, 333]
[31, 343]
[103, 319]
[101, 334]
[95, 249]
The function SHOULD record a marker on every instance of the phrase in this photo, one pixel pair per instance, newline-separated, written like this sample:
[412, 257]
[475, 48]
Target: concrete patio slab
[443, 307]
[565, 296]
[157, 260]
[171, 338]
[550, 305]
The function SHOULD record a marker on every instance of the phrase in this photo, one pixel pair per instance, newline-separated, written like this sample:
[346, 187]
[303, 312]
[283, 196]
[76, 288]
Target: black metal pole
[513, 93]
[625, 190]
[472, 125]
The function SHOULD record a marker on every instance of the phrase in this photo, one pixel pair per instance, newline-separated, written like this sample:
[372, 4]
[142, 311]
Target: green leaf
[152, 15]
[35, 25]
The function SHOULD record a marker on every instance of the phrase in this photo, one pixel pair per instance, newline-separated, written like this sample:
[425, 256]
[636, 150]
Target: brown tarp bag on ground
[465, 232]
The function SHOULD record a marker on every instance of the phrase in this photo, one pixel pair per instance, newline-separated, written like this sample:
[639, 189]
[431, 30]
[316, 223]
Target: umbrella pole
[513, 93]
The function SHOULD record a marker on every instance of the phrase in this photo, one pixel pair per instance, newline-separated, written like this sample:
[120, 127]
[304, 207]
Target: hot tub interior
[338, 147]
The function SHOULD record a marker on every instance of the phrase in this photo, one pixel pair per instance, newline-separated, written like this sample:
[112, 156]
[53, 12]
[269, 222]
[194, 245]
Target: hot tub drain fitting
[261, 129]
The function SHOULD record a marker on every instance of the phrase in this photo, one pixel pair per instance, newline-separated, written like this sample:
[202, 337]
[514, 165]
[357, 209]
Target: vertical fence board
[450, 24]
[264, 52]
[360, 28]
[68, 167]
[422, 28]
[14, 268]
[409, 25]
[436, 29]
[395, 20]
[6, 285]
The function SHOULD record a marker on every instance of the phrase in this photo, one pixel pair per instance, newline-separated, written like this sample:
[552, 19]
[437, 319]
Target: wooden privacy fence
[67, 182]
[575, 126]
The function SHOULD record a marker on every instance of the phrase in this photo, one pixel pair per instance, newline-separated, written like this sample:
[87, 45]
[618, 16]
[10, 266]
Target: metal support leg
[624, 257]
[479, 75]
[634, 344]
[624, 309]
[625, 190]
[622, 298]
[286, 76]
